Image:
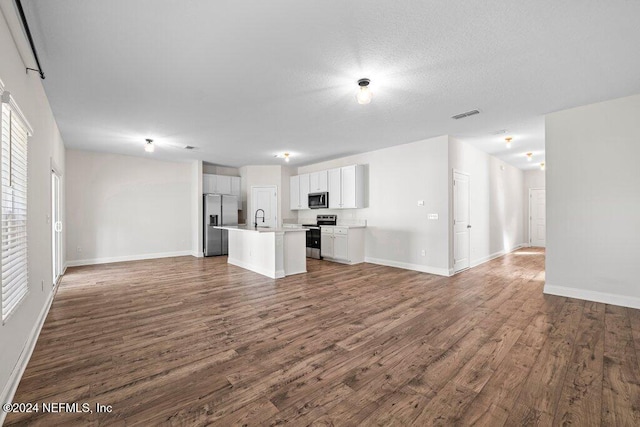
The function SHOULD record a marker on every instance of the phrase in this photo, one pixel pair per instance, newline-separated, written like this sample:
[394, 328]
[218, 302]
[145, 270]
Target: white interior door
[265, 198]
[461, 226]
[56, 228]
[537, 217]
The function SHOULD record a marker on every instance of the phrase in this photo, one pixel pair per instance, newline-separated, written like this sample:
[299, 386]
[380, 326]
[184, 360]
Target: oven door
[318, 200]
[313, 243]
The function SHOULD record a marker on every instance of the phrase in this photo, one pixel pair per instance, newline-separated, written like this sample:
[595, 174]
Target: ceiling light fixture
[508, 140]
[285, 156]
[149, 147]
[529, 156]
[542, 166]
[364, 94]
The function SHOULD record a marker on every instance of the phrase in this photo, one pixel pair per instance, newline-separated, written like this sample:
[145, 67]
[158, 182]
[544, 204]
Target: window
[13, 177]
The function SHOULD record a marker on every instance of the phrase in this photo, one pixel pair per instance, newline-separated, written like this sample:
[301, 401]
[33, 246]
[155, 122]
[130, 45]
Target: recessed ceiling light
[542, 166]
[149, 147]
[529, 156]
[364, 94]
[508, 141]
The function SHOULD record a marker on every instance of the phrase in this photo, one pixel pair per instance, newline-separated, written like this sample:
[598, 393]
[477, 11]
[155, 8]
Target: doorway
[265, 198]
[461, 226]
[56, 227]
[537, 217]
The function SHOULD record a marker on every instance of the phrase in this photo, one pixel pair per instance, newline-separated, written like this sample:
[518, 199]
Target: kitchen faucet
[255, 219]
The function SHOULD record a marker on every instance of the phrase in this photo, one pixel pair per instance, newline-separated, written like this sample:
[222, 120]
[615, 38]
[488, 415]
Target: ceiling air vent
[465, 114]
[189, 147]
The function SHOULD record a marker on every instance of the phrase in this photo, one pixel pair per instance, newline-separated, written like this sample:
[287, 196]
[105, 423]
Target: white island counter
[273, 252]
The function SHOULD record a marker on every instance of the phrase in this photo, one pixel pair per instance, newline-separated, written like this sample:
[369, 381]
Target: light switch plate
[420, 202]
[432, 216]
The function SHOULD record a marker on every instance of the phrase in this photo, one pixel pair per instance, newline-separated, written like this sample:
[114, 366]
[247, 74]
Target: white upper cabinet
[299, 192]
[346, 187]
[294, 193]
[304, 191]
[318, 182]
[223, 184]
[335, 188]
[235, 190]
[209, 183]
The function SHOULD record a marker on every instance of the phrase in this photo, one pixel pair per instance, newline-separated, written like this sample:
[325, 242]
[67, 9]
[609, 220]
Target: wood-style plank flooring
[186, 341]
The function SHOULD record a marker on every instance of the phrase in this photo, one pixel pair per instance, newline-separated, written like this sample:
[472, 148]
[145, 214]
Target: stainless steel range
[313, 234]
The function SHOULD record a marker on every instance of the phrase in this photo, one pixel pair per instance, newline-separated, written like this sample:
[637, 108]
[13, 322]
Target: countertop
[339, 225]
[260, 229]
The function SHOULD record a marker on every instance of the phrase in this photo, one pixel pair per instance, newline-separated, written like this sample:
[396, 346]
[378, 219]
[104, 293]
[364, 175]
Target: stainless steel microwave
[318, 200]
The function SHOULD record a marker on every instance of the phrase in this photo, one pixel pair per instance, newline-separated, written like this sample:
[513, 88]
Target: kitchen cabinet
[208, 183]
[346, 187]
[342, 244]
[222, 184]
[318, 182]
[326, 243]
[235, 190]
[299, 192]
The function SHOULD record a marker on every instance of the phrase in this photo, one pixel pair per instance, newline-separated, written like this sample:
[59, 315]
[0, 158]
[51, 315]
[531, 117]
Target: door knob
[468, 226]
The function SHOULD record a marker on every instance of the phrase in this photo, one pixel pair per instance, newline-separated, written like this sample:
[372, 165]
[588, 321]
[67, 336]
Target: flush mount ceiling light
[508, 141]
[284, 156]
[364, 94]
[542, 166]
[149, 147]
[529, 156]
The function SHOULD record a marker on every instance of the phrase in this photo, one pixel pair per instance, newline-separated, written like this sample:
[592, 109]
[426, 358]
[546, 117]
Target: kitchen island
[272, 252]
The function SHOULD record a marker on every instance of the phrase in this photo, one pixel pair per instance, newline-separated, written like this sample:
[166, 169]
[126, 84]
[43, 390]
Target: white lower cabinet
[342, 244]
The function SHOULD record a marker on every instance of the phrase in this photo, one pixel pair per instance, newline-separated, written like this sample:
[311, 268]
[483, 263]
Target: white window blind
[13, 154]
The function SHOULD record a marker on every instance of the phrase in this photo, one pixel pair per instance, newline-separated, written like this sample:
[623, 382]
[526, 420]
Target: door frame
[530, 215]
[250, 205]
[453, 240]
[56, 270]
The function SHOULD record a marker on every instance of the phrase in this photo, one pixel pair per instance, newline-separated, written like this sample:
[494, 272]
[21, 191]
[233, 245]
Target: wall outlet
[432, 216]
[78, 249]
[423, 253]
[420, 202]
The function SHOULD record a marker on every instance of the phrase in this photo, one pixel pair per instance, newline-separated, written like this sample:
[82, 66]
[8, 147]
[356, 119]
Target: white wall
[265, 175]
[496, 202]
[532, 179]
[593, 202]
[397, 228]
[197, 223]
[125, 207]
[18, 333]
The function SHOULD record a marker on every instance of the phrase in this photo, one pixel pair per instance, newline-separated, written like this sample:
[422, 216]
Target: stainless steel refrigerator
[218, 210]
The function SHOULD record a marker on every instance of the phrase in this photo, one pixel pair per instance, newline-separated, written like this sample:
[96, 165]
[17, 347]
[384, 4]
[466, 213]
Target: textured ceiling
[243, 80]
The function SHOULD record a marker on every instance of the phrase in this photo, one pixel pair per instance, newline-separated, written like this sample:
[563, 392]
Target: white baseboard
[274, 274]
[494, 255]
[197, 254]
[10, 388]
[107, 260]
[408, 266]
[603, 297]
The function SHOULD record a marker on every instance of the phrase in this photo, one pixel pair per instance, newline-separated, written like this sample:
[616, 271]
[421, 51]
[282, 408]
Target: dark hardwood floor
[186, 341]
